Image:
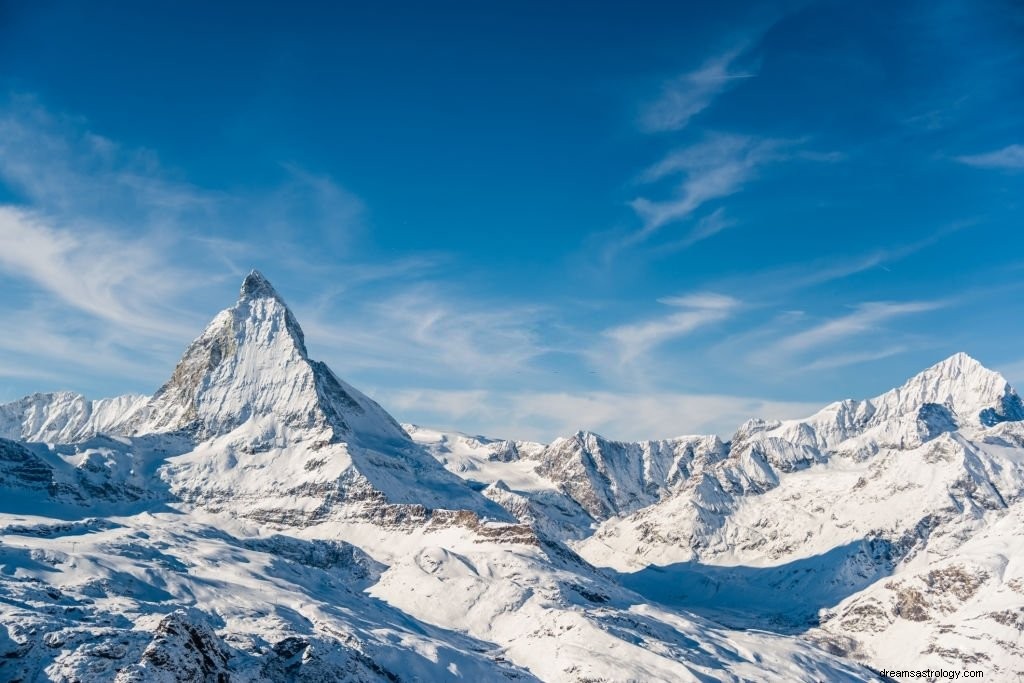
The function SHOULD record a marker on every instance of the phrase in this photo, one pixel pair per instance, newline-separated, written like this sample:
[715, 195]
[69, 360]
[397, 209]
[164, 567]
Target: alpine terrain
[259, 519]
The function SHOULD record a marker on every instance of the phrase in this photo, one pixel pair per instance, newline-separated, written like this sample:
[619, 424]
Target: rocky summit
[259, 519]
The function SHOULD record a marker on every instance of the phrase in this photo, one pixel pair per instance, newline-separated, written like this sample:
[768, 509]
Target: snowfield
[259, 519]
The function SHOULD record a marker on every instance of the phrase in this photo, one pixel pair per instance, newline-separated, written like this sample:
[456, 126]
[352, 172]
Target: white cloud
[58, 164]
[866, 318]
[635, 340]
[542, 416]
[95, 271]
[714, 168]
[687, 95]
[423, 332]
[58, 347]
[842, 360]
[708, 226]
[22, 371]
[1010, 157]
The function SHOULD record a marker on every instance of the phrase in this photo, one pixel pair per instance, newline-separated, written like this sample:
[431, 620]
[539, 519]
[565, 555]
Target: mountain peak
[257, 286]
[961, 383]
[962, 374]
[959, 364]
[250, 365]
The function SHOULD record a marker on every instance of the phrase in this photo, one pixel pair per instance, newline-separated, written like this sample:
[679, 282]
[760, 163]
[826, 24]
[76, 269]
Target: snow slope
[885, 529]
[574, 482]
[65, 417]
[862, 509]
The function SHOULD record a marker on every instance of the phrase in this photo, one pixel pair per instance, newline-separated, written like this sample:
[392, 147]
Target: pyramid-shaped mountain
[248, 423]
[250, 364]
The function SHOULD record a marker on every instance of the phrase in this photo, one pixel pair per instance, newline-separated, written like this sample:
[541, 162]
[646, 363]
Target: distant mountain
[886, 530]
[65, 417]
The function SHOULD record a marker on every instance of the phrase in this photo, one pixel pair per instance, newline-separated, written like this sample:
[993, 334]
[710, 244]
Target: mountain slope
[842, 514]
[571, 484]
[65, 417]
[251, 362]
[881, 529]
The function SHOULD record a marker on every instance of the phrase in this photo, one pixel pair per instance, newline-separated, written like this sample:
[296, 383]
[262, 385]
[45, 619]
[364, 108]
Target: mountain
[884, 530]
[859, 526]
[250, 366]
[248, 422]
[258, 519]
[64, 416]
[577, 481]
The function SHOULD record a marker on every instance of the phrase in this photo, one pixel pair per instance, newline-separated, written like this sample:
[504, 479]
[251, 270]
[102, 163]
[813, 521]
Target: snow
[259, 519]
[65, 417]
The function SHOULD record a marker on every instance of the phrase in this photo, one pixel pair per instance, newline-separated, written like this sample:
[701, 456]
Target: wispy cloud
[54, 344]
[708, 226]
[542, 416]
[1010, 157]
[687, 95]
[107, 257]
[696, 311]
[108, 276]
[426, 333]
[717, 167]
[782, 282]
[841, 360]
[866, 318]
[56, 163]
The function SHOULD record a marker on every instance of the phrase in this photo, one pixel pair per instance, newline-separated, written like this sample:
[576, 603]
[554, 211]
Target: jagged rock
[183, 650]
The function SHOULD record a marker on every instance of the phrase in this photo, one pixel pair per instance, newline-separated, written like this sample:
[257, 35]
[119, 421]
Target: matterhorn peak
[257, 286]
[250, 366]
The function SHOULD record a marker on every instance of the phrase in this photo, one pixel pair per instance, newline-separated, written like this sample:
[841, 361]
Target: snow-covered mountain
[886, 530]
[258, 519]
[571, 484]
[65, 417]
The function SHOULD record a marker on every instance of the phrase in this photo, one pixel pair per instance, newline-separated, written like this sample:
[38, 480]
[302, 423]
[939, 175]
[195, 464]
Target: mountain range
[259, 519]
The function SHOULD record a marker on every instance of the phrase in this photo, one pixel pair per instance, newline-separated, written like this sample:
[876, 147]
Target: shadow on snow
[785, 598]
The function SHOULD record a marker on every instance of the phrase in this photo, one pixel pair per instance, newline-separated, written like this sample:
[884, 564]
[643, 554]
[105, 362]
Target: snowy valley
[259, 519]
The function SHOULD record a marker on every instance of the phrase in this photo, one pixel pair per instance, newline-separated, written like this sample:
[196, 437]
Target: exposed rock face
[573, 482]
[610, 478]
[182, 649]
[22, 469]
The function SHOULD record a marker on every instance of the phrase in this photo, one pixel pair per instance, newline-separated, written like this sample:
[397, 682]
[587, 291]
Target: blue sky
[514, 218]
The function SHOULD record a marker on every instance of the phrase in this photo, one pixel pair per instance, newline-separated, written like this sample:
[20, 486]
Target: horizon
[264, 285]
[642, 222]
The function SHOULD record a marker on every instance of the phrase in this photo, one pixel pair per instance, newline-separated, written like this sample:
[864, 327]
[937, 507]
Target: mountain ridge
[258, 518]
